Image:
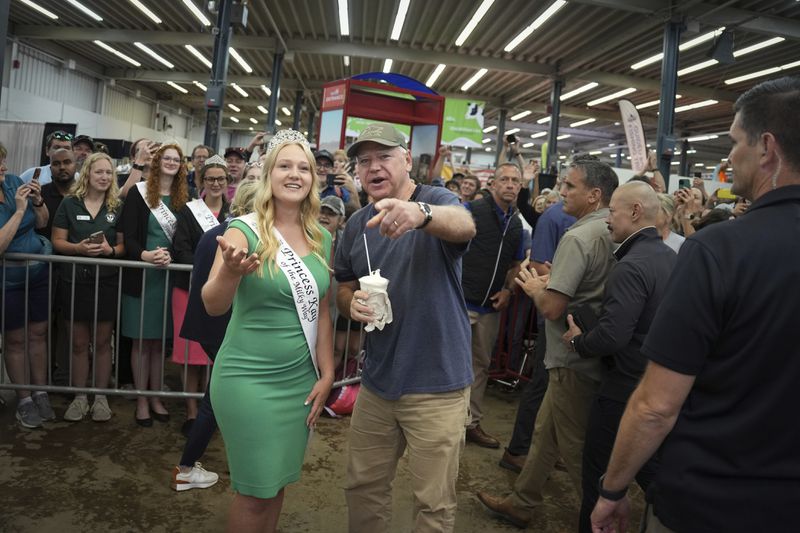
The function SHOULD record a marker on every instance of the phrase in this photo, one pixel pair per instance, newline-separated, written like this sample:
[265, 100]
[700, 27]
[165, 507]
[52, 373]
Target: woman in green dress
[274, 369]
[148, 224]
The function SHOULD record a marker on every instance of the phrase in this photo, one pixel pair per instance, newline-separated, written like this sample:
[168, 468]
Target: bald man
[632, 294]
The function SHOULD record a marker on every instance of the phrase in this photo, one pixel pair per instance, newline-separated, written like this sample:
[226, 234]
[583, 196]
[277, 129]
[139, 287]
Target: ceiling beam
[624, 80]
[711, 14]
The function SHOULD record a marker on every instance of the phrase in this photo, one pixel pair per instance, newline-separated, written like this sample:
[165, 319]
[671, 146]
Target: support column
[219, 73]
[665, 142]
[618, 162]
[310, 135]
[298, 110]
[555, 113]
[277, 65]
[683, 168]
[5, 6]
[501, 131]
[468, 157]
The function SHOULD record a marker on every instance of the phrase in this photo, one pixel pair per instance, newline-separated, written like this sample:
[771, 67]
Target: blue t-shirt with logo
[426, 349]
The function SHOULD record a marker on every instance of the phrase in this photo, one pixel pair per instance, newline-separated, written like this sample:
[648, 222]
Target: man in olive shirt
[582, 262]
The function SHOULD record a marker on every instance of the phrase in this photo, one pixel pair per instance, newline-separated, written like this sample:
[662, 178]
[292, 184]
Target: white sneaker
[101, 412]
[197, 478]
[77, 409]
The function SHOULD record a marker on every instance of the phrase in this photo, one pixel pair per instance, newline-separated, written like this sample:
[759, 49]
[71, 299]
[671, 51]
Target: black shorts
[85, 295]
[342, 324]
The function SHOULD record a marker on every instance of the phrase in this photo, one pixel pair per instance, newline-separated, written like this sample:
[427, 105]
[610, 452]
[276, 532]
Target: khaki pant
[432, 427]
[560, 429]
[652, 524]
[484, 336]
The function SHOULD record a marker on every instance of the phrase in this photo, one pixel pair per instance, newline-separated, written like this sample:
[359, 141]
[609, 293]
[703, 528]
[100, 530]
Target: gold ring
[396, 224]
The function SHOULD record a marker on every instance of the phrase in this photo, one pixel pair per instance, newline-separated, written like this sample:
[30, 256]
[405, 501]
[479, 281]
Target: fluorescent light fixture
[595, 152]
[541, 19]
[200, 85]
[758, 46]
[760, 73]
[149, 51]
[387, 65]
[278, 122]
[234, 108]
[236, 120]
[196, 53]
[527, 145]
[251, 128]
[562, 157]
[538, 134]
[117, 53]
[565, 136]
[486, 140]
[40, 9]
[579, 90]
[239, 90]
[490, 128]
[544, 120]
[696, 105]
[286, 111]
[177, 87]
[399, 20]
[239, 59]
[470, 82]
[263, 109]
[144, 9]
[612, 145]
[266, 90]
[346, 60]
[702, 138]
[254, 121]
[613, 96]
[86, 10]
[710, 168]
[197, 13]
[512, 131]
[699, 164]
[675, 163]
[692, 151]
[435, 74]
[654, 103]
[473, 22]
[344, 18]
[582, 122]
[683, 47]
[521, 114]
[698, 66]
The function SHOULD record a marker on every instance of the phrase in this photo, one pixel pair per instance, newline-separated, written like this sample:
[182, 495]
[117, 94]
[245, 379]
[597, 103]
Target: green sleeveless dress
[262, 376]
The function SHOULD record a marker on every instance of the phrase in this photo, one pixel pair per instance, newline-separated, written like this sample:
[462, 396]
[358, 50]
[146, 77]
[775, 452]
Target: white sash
[163, 215]
[303, 286]
[203, 215]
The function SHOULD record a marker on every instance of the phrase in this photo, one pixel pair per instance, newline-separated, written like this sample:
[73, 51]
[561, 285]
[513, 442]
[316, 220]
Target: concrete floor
[88, 477]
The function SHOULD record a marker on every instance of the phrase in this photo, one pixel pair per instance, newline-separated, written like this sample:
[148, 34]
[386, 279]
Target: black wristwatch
[613, 496]
[140, 168]
[426, 210]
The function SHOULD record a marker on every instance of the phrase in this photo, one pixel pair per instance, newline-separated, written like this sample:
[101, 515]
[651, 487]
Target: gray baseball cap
[334, 203]
[380, 133]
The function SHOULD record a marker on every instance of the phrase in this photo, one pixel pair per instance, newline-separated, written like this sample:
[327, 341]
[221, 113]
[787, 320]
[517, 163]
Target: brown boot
[481, 438]
[513, 462]
[502, 508]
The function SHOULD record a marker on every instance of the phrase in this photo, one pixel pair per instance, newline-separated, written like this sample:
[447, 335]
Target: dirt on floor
[90, 477]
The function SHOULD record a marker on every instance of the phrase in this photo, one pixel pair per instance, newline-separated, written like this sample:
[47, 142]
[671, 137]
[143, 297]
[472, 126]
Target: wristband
[613, 496]
[40, 204]
[140, 168]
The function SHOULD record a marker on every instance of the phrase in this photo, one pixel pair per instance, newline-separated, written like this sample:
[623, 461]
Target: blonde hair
[264, 208]
[242, 202]
[179, 191]
[81, 186]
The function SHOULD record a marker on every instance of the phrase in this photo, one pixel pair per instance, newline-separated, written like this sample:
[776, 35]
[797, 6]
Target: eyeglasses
[62, 135]
[171, 159]
[324, 164]
[254, 164]
[221, 179]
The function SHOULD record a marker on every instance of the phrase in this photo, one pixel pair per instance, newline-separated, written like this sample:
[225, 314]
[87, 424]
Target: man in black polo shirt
[633, 293]
[721, 388]
[489, 268]
[62, 169]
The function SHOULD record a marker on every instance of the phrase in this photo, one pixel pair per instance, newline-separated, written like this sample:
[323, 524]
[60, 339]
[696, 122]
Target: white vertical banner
[637, 146]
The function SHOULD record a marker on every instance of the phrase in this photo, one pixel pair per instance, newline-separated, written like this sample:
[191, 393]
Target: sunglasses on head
[62, 135]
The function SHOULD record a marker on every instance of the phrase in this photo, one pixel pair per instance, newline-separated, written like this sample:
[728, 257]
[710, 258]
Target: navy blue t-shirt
[426, 349]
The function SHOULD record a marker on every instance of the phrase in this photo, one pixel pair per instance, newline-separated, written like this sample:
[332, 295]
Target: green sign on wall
[463, 123]
[356, 124]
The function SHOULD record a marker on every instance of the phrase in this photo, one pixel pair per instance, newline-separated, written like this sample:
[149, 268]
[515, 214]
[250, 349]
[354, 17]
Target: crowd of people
[654, 360]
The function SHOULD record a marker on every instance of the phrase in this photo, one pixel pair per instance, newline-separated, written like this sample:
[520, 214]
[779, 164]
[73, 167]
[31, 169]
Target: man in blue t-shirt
[417, 371]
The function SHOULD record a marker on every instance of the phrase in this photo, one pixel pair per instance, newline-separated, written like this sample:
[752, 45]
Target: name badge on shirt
[83, 217]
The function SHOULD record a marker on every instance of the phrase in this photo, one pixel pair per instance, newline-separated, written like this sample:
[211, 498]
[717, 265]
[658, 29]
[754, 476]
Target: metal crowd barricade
[26, 260]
